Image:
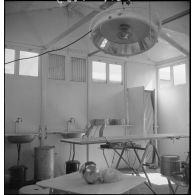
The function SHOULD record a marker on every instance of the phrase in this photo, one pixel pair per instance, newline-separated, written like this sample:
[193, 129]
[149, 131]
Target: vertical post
[88, 80]
[155, 113]
[125, 97]
[43, 123]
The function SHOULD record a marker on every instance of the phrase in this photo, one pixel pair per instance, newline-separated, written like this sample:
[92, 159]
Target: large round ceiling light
[125, 32]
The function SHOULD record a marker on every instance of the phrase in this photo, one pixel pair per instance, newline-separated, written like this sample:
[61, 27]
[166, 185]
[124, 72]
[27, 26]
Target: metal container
[17, 176]
[186, 172]
[73, 134]
[72, 166]
[44, 163]
[169, 165]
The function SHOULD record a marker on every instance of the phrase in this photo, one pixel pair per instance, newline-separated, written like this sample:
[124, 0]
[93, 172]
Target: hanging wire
[51, 50]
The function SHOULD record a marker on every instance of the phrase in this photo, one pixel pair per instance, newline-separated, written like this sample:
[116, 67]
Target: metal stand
[131, 145]
[18, 149]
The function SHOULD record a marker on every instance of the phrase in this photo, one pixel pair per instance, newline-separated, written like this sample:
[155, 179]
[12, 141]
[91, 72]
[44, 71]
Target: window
[28, 67]
[115, 73]
[9, 56]
[78, 69]
[99, 71]
[164, 77]
[56, 67]
[179, 74]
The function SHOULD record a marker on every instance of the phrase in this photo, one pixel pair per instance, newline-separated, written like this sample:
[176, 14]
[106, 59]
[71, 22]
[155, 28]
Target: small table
[74, 183]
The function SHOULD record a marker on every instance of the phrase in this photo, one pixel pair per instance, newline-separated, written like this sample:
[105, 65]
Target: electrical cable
[51, 50]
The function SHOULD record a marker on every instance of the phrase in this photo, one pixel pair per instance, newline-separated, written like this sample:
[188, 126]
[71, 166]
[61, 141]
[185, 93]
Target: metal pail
[169, 165]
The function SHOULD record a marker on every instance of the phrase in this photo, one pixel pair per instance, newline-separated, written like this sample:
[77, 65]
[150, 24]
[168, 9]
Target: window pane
[56, 68]
[179, 74]
[78, 69]
[28, 67]
[9, 56]
[99, 71]
[164, 77]
[164, 73]
[115, 73]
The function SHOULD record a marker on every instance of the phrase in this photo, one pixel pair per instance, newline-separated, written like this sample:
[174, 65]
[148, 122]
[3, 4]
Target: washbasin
[73, 134]
[20, 138]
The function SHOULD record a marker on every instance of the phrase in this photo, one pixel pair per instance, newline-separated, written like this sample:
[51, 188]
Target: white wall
[22, 99]
[173, 117]
[140, 74]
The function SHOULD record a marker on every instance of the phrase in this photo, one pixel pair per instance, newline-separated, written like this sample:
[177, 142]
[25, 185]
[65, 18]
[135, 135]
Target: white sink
[20, 138]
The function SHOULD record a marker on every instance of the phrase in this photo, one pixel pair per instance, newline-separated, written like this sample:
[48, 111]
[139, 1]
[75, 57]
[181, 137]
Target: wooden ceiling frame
[164, 35]
[170, 60]
[174, 43]
[81, 22]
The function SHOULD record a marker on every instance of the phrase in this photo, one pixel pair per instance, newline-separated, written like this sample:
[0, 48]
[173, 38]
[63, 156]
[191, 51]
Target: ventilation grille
[78, 69]
[56, 67]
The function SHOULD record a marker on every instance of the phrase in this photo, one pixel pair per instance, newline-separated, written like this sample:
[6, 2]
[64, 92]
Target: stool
[33, 189]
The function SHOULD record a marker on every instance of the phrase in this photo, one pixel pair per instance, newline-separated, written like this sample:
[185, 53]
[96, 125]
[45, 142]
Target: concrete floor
[159, 184]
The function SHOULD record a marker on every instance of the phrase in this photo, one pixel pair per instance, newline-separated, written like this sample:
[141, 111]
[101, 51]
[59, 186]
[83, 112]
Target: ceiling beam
[172, 42]
[175, 17]
[93, 53]
[81, 22]
[32, 11]
[170, 60]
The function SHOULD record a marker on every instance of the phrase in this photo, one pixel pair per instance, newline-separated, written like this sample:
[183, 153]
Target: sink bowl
[20, 138]
[73, 134]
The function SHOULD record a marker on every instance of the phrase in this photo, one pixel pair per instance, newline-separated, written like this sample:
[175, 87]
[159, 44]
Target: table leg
[155, 150]
[142, 166]
[171, 190]
[87, 152]
[120, 157]
[105, 158]
[144, 155]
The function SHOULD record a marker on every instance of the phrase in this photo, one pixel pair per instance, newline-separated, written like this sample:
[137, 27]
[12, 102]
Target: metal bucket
[72, 166]
[44, 163]
[169, 165]
[17, 176]
[186, 172]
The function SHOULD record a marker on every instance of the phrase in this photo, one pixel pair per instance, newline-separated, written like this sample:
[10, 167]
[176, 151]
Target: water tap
[70, 123]
[17, 122]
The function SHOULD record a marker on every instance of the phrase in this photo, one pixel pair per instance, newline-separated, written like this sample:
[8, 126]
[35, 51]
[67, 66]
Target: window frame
[96, 80]
[185, 74]
[15, 57]
[19, 64]
[16, 63]
[171, 65]
[57, 80]
[122, 76]
[171, 77]
[86, 73]
[107, 62]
